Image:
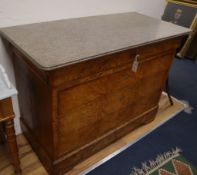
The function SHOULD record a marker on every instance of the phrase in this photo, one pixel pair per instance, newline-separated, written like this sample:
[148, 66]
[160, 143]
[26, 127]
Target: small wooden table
[7, 118]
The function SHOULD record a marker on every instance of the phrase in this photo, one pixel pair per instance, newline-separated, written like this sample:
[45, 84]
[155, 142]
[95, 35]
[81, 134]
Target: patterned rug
[168, 163]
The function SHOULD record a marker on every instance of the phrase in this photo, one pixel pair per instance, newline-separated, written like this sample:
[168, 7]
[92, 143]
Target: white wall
[16, 12]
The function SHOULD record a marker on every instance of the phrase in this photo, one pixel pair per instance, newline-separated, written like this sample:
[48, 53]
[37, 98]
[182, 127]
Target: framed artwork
[179, 13]
[184, 13]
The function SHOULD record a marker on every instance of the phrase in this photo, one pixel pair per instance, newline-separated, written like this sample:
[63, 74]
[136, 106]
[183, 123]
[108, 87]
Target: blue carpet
[180, 131]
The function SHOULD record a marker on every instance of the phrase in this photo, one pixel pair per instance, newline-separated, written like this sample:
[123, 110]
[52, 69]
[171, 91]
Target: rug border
[107, 158]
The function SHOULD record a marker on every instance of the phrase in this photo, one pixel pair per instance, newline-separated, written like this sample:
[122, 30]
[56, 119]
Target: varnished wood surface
[31, 165]
[7, 123]
[70, 113]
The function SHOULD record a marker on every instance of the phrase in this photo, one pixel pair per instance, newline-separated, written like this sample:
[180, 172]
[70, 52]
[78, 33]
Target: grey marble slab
[51, 45]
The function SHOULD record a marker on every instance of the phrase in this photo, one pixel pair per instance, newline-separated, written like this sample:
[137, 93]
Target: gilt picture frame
[188, 1]
[192, 3]
[179, 13]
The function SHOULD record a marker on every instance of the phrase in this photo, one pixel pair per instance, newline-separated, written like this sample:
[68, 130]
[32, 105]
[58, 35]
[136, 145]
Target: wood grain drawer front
[90, 110]
[155, 64]
[95, 68]
[92, 120]
[151, 50]
[91, 68]
[85, 93]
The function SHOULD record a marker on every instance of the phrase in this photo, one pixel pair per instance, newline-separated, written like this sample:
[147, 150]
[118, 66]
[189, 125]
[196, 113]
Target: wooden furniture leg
[12, 145]
[2, 136]
[168, 92]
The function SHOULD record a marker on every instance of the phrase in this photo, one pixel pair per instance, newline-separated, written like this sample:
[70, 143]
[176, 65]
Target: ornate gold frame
[190, 3]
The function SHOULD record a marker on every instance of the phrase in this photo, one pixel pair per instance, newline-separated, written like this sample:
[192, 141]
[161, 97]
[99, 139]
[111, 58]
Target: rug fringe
[153, 164]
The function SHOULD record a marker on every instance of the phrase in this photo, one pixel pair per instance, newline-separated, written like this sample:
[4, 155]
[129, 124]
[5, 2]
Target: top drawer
[92, 69]
[101, 66]
[157, 48]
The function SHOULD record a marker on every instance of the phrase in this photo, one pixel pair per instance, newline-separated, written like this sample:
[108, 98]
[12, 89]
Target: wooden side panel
[153, 73]
[35, 104]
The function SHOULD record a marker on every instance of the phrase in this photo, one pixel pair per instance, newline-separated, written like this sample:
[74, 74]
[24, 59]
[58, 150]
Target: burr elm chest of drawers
[83, 83]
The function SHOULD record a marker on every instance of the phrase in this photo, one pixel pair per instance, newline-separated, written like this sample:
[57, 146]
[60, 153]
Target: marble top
[6, 88]
[54, 44]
